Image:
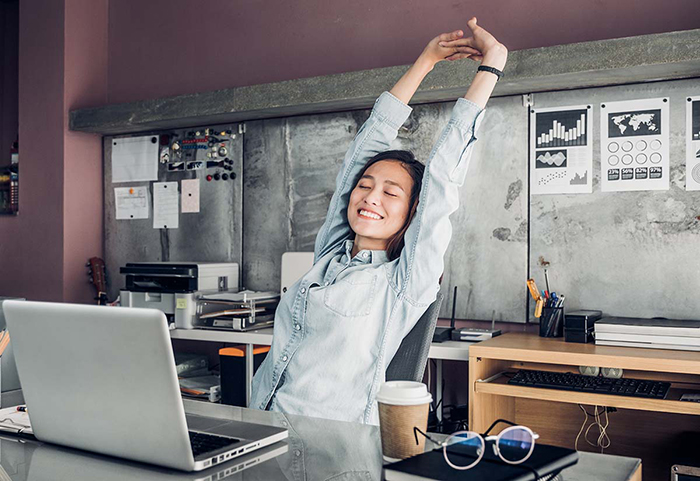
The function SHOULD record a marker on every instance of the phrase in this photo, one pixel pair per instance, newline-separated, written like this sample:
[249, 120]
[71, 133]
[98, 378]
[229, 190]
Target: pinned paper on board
[131, 202]
[190, 195]
[165, 205]
[135, 159]
[561, 150]
[634, 153]
[692, 149]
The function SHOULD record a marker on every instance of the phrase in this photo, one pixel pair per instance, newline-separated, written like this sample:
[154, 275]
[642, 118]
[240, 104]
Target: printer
[175, 287]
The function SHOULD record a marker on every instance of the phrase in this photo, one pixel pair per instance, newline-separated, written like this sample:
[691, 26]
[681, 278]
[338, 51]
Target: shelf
[262, 336]
[448, 350]
[500, 387]
[618, 61]
[528, 348]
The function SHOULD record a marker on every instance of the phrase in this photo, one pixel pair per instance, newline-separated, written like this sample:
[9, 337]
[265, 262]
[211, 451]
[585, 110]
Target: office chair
[410, 360]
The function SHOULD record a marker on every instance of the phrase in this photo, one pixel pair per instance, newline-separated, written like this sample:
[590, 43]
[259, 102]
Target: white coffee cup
[402, 405]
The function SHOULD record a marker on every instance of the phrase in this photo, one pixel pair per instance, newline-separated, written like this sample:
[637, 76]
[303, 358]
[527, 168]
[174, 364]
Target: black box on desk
[578, 325]
[233, 382]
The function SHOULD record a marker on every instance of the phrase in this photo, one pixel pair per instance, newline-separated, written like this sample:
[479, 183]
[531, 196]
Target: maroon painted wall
[62, 65]
[169, 47]
[9, 58]
[31, 244]
[85, 83]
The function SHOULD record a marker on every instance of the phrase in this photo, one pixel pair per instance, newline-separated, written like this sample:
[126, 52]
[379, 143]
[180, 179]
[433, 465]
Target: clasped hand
[481, 47]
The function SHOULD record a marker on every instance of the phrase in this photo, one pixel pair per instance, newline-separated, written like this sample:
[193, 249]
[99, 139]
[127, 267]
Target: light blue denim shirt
[338, 327]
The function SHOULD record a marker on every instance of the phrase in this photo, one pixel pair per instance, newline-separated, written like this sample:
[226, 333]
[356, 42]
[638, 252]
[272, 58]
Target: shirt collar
[375, 257]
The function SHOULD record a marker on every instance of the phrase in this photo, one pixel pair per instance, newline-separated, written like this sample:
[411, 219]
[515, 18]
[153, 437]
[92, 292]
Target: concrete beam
[645, 58]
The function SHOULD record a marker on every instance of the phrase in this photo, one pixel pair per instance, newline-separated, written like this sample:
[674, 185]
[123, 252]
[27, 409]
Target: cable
[585, 419]
[603, 441]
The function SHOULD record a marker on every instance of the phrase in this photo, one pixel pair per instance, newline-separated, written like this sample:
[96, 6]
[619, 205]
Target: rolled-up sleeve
[375, 136]
[422, 260]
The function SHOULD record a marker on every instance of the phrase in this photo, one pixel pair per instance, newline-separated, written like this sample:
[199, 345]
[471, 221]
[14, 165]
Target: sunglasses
[464, 449]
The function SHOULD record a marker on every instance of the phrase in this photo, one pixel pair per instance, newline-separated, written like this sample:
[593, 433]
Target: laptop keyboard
[205, 443]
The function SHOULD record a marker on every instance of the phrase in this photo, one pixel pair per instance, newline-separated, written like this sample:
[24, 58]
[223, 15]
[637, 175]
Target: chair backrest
[411, 358]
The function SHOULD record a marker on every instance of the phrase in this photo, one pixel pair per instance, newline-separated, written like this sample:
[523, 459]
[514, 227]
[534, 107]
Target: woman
[379, 255]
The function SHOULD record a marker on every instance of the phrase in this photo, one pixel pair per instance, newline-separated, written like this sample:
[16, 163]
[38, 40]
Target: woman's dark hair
[415, 169]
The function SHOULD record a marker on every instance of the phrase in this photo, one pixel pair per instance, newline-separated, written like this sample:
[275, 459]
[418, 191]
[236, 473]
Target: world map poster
[634, 145]
[561, 150]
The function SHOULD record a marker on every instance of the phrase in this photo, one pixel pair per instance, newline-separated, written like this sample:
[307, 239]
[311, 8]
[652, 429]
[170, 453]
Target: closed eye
[362, 187]
[390, 194]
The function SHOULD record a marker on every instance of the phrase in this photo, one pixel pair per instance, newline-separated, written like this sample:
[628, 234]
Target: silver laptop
[103, 379]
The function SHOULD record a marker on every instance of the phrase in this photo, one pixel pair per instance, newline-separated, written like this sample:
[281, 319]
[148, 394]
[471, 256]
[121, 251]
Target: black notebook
[546, 460]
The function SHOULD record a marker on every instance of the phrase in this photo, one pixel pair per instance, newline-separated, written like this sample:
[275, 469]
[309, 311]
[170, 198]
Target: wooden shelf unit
[642, 428]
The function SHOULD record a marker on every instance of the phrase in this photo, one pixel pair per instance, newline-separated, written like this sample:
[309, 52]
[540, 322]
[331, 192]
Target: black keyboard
[600, 385]
[204, 443]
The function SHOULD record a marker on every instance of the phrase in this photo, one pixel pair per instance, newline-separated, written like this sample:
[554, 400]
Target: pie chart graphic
[696, 173]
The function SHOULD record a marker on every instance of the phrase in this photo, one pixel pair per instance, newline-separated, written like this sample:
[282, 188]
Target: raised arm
[376, 134]
[427, 238]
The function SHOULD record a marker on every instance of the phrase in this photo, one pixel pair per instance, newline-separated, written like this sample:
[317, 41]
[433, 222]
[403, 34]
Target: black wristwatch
[493, 70]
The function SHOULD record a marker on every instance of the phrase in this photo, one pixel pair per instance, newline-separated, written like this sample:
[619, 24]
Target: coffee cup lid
[404, 393]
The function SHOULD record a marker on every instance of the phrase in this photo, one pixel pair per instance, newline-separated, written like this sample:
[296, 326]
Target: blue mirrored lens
[515, 445]
[463, 449]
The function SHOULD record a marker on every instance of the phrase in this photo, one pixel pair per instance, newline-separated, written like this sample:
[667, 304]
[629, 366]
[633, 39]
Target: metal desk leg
[438, 388]
[248, 373]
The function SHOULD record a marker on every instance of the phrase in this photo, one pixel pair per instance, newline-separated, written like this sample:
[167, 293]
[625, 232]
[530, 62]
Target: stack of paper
[653, 333]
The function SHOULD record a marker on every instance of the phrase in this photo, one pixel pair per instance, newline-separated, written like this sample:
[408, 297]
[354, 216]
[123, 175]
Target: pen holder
[552, 322]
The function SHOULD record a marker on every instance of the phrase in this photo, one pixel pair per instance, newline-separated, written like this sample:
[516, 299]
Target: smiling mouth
[369, 215]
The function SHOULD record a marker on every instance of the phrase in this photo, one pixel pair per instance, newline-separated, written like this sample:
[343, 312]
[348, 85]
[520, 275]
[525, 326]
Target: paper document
[190, 195]
[165, 205]
[131, 202]
[135, 159]
[634, 142]
[14, 421]
[692, 149]
[561, 150]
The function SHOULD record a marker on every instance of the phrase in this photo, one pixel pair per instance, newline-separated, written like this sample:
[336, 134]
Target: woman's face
[379, 202]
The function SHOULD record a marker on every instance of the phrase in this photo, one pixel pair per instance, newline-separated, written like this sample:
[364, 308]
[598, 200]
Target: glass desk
[317, 449]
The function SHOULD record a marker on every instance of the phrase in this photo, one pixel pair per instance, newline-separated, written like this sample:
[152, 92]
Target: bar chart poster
[634, 145]
[692, 150]
[561, 150]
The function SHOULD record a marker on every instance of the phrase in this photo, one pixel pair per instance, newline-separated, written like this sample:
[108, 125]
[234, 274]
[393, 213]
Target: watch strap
[495, 71]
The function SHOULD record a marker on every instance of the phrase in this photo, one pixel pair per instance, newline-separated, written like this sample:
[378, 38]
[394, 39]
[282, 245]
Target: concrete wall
[221, 44]
[300, 158]
[213, 235]
[626, 253]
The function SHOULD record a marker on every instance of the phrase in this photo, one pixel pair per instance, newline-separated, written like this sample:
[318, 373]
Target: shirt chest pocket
[352, 296]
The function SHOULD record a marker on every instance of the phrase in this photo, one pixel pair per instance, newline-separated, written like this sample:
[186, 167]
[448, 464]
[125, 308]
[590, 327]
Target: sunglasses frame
[486, 439]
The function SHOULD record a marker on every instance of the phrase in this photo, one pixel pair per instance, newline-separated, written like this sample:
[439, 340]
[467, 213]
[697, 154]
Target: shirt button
[285, 423]
[297, 453]
[365, 254]
[303, 290]
[284, 358]
[326, 283]
[297, 327]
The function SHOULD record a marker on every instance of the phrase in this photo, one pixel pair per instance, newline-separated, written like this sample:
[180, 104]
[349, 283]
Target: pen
[22, 409]
[546, 279]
